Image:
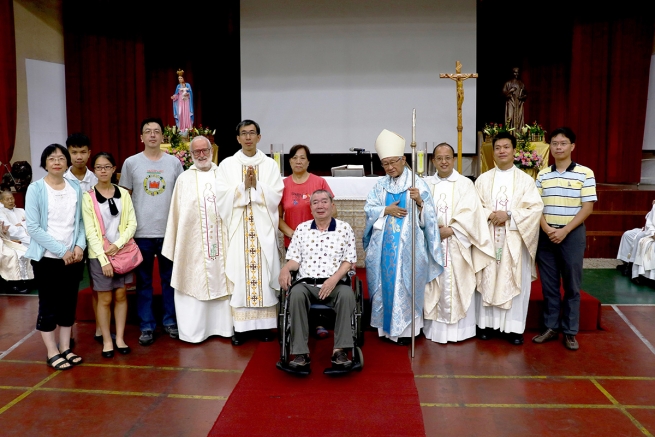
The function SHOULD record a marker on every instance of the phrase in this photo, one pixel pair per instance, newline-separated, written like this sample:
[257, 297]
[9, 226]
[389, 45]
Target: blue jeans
[149, 248]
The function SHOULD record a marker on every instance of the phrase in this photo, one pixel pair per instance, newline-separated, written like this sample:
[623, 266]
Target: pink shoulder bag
[127, 258]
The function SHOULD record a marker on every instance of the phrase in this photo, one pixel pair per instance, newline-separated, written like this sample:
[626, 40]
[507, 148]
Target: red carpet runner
[381, 400]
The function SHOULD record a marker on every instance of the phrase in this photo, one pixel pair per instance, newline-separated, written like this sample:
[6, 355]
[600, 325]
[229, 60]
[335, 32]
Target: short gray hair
[322, 192]
[209, 143]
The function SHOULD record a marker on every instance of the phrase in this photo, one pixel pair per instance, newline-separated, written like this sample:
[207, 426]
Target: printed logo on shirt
[300, 197]
[154, 183]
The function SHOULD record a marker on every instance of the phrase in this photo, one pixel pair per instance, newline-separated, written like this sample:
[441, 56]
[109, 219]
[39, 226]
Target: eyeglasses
[103, 167]
[54, 159]
[199, 152]
[251, 133]
[443, 158]
[390, 163]
[563, 144]
[150, 131]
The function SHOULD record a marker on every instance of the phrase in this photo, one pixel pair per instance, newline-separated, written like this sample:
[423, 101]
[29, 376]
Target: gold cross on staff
[459, 78]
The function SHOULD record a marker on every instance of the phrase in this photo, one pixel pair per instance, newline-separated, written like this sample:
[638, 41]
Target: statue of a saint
[183, 103]
[515, 95]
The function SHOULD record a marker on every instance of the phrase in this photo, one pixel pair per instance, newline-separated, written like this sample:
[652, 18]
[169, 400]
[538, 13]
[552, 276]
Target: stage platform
[620, 207]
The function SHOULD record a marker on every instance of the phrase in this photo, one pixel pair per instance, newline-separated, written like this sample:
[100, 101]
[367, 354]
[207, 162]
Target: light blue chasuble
[388, 245]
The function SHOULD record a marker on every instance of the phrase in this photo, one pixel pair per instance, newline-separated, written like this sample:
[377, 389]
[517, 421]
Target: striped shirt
[563, 193]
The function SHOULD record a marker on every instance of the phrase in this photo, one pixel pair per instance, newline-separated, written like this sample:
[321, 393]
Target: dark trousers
[149, 248]
[342, 299]
[562, 261]
[58, 285]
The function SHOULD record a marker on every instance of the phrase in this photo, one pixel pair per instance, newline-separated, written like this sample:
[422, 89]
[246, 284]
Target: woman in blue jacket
[53, 212]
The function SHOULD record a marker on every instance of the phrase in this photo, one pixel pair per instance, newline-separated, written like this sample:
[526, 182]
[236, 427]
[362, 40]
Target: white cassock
[448, 313]
[504, 286]
[251, 219]
[642, 254]
[631, 238]
[195, 242]
[15, 219]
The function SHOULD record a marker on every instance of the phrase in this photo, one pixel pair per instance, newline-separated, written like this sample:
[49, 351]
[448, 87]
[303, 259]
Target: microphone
[355, 149]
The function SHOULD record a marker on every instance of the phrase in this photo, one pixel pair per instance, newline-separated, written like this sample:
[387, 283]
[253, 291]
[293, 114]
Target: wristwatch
[509, 214]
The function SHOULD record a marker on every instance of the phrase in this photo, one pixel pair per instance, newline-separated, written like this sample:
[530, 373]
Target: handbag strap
[96, 207]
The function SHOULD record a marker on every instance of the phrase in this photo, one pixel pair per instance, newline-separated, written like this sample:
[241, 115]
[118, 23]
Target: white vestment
[504, 286]
[15, 219]
[447, 311]
[195, 242]
[631, 238]
[251, 220]
[643, 254]
[13, 264]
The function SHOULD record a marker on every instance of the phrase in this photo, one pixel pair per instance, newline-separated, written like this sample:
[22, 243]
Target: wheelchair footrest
[293, 370]
[340, 370]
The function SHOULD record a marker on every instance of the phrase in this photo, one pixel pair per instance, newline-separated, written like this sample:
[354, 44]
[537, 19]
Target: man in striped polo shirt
[569, 192]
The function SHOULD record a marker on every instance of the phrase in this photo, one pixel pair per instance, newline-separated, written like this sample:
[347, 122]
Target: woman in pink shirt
[294, 207]
[298, 188]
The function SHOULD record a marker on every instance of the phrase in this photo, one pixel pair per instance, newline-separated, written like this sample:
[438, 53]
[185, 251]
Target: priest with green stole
[512, 206]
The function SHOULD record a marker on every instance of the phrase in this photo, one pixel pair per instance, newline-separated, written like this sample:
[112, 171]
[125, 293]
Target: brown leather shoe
[570, 342]
[545, 336]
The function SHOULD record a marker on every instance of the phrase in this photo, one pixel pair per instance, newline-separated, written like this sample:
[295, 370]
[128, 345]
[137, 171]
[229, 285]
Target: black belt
[315, 281]
[557, 226]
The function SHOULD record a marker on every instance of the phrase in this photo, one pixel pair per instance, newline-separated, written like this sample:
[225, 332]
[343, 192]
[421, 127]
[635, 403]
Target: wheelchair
[284, 330]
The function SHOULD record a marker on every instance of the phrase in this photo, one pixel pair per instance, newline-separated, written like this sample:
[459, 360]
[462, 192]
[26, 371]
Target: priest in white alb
[513, 207]
[466, 246]
[630, 241]
[195, 242]
[14, 218]
[249, 192]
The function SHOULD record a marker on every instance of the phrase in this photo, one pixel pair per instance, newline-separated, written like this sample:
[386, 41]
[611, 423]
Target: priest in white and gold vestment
[466, 246]
[513, 206]
[249, 192]
[195, 242]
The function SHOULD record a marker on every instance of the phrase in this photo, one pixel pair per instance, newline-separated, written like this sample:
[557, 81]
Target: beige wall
[40, 36]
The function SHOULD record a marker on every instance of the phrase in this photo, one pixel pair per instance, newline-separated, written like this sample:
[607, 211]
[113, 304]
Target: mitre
[389, 144]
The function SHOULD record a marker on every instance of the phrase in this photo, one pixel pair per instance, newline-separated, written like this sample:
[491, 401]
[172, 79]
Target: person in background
[79, 148]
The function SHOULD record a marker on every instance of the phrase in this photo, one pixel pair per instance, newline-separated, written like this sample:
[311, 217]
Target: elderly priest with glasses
[388, 243]
[195, 242]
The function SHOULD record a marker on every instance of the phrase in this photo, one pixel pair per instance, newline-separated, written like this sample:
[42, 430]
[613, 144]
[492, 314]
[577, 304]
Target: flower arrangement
[173, 136]
[533, 132]
[527, 158]
[182, 154]
[493, 129]
[204, 131]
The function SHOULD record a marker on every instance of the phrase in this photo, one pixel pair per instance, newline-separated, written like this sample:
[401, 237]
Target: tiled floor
[473, 388]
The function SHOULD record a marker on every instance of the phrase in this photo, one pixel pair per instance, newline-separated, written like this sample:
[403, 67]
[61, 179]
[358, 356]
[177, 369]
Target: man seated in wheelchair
[323, 251]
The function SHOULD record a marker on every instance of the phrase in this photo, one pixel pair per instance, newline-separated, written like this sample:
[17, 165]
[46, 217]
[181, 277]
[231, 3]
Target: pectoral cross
[459, 78]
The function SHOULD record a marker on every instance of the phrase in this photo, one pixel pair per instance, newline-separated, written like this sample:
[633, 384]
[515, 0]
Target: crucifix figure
[459, 78]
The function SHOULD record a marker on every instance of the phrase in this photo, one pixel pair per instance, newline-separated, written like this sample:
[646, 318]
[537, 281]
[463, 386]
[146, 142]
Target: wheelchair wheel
[284, 330]
[359, 310]
[360, 357]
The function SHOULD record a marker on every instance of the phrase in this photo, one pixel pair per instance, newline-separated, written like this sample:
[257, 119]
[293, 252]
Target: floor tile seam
[524, 406]
[621, 408]
[29, 391]
[15, 345]
[628, 304]
[539, 377]
[132, 366]
[115, 392]
[634, 329]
